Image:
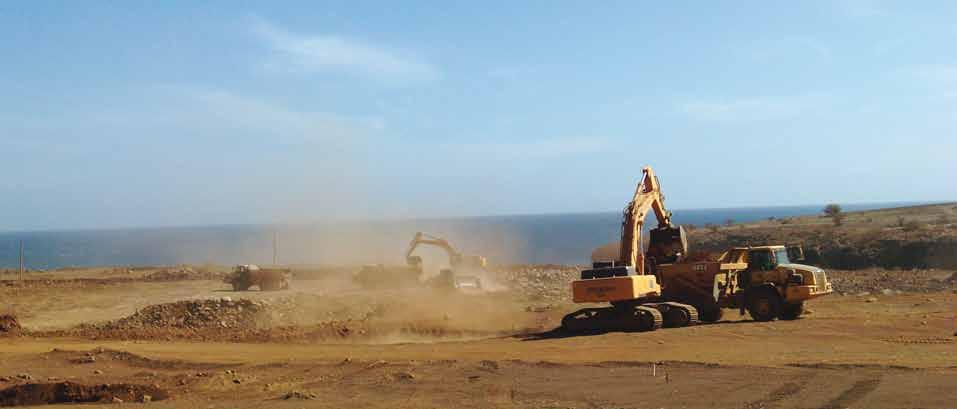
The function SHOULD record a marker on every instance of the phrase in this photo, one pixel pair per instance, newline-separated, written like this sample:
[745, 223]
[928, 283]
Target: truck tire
[764, 305]
[792, 311]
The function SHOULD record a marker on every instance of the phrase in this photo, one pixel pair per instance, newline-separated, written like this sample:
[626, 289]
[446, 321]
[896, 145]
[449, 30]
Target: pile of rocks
[183, 274]
[9, 325]
[542, 282]
[882, 281]
[194, 314]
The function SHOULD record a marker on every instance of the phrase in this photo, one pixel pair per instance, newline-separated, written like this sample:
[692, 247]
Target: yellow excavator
[459, 265]
[628, 281]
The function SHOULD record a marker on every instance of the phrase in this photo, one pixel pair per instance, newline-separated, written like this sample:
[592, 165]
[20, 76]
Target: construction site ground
[886, 339]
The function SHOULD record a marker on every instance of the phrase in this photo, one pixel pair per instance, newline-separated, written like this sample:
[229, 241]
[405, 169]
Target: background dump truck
[246, 276]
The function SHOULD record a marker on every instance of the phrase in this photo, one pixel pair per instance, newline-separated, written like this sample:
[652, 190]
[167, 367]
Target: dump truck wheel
[792, 311]
[764, 305]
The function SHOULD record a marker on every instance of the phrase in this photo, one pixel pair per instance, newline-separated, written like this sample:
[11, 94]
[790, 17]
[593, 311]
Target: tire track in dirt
[856, 392]
[780, 393]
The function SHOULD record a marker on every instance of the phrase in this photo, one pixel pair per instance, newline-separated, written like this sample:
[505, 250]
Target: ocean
[539, 239]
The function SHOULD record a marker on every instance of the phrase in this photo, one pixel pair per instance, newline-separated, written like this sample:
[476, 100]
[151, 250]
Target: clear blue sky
[172, 113]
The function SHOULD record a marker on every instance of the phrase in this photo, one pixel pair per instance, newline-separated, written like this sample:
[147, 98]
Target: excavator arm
[424, 239]
[668, 242]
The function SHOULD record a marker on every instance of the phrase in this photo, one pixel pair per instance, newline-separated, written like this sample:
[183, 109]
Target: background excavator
[457, 275]
[627, 282]
[461, 274]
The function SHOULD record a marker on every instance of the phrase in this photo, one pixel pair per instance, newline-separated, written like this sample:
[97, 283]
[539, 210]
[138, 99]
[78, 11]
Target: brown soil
[31, 394]
[324, 344]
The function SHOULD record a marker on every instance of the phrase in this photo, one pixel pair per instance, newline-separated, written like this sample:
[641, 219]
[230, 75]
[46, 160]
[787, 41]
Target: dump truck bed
[694, 281]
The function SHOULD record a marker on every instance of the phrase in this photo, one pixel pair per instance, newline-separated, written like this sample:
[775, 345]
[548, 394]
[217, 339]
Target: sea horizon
[548, 238]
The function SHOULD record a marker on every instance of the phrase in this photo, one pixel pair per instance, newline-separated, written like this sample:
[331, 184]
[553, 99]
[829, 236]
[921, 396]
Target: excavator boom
[456, 259]
[426, 239]
[667, 243]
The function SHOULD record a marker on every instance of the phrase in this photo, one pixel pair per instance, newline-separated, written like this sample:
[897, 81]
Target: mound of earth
[541, 282]
[410, 316]
[876, 280]
[183, 274]
[193, 314]
[9, 325]
[66, 283]
[69, 392]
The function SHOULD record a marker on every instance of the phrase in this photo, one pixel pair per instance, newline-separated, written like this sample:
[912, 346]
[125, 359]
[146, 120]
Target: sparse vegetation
[838, 219]
[912, 225]
[711, 227]
[832, 209]
[835, 212]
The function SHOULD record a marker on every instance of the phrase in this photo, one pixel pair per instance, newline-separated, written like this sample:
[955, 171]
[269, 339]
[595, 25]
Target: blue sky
[147, 114]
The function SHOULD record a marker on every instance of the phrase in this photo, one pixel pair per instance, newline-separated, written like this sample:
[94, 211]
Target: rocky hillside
[906, 237]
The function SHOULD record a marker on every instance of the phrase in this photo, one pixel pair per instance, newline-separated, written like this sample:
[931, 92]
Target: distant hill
[908, 237]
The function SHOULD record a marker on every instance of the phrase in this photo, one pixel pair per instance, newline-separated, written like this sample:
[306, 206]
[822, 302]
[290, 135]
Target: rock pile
[883, 281]
[183, 274]
[9, 325]
[194, 314]
[542, 282]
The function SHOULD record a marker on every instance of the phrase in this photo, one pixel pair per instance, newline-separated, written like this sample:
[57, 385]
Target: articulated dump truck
[660, 287]
[243, 277]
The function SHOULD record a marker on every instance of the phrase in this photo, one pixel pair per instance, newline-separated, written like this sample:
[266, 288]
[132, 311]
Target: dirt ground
[889, 342]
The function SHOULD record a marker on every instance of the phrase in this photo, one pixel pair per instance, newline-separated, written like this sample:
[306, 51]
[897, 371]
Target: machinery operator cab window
[760, 261]
[781, 257]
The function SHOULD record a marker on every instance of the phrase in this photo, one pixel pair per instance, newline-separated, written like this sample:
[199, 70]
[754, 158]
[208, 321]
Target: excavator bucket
[668, 244]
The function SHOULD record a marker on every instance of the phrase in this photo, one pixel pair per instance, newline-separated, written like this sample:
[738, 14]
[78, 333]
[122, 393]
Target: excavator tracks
[622, 318]
[649, 318]
[677, 314]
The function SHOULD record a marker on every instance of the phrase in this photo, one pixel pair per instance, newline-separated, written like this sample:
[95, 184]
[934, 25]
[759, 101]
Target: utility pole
[21, 260]
[275, 247]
